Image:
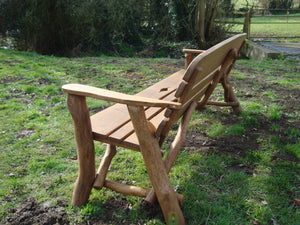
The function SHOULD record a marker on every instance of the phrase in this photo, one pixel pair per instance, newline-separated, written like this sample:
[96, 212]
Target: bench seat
[119, 131]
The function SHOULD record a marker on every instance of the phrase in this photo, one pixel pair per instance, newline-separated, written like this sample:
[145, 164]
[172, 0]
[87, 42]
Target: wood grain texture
[195, 51]
[104, 166]
[85, 149]
[112, 96]
[175, 146]
[150, 150]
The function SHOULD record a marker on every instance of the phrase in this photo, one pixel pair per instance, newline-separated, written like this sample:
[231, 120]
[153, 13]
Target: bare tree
[205, 14]
[200, 22]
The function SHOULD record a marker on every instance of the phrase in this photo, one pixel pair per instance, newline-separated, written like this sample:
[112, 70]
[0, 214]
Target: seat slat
[130, 141]
[160, 88]
[118, 114]
[120, 127]
[155, 121]
[151, 114]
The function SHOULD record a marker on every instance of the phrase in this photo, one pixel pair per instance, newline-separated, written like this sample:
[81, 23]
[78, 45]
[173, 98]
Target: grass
[256, 181]
[272, 26]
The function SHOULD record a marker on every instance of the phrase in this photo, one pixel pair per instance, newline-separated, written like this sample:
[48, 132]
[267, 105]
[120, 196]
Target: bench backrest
[205, 69]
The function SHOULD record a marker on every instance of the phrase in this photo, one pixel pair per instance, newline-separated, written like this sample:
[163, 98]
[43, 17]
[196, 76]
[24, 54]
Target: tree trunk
[200, 22]
[211, 9]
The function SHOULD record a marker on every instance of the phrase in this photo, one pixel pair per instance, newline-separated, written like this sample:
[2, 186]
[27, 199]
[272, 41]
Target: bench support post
[222, 76]
[230, 97]
[85, 149]
[155, 166]
[175, 147]
[104, 165]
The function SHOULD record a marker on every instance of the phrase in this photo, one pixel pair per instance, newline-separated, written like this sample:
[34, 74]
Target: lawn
[232, 170]
[272, 26]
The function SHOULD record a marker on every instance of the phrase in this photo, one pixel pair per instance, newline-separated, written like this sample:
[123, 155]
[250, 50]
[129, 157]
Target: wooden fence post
[246, 28]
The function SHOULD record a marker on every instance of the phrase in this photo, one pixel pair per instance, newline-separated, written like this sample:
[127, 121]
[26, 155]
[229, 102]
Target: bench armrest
[107, 95]
[194, 51]
[189, 55]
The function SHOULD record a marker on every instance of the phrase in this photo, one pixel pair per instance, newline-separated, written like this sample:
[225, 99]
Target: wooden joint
[134, 190]
[104, 166]
[190, 73]
[151, 128]
[126, 189]
[180, 89]
[160, 128]
[168, 113]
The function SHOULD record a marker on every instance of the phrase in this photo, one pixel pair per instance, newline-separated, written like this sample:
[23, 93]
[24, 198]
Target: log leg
[175, 148]
[232, 98]
[155, 166]
[85, 149]
[104, 165]
[229, 96]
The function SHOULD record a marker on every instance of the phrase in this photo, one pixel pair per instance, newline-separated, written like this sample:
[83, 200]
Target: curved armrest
[195, 51]
[106, 95]
[189, 55]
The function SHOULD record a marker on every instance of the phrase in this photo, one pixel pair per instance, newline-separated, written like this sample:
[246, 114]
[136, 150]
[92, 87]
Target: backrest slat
[199, 76]
[197, 85]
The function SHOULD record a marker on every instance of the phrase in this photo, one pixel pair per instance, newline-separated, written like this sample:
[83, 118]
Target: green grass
[240, 184]
[272, 26]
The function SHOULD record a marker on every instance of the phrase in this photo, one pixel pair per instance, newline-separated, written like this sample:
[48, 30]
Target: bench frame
[150, 135]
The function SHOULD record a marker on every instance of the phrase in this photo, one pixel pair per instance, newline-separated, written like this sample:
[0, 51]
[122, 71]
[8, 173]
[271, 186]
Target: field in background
[272, 26]
[241, 3]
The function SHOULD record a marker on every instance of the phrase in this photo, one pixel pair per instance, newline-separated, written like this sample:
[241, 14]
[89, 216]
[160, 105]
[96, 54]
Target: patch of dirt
[30, 212]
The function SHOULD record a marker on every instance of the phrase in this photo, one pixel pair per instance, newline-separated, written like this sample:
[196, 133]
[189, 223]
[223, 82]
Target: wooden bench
[142, 122]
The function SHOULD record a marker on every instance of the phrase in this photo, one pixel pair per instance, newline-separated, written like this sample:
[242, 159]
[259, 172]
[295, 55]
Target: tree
[281, 4]
[61, 26]
[200, 22]
[206, 30]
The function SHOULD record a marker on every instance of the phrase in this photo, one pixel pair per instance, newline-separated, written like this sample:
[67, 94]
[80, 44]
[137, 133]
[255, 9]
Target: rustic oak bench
[142, 122]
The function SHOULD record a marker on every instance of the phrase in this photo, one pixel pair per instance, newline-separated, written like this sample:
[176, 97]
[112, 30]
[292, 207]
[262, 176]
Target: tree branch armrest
[194, 51]
[189, 55]
[112, 96]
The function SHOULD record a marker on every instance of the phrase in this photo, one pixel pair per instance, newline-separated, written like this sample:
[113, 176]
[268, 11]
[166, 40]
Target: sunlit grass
[250, 185]
[275, 26]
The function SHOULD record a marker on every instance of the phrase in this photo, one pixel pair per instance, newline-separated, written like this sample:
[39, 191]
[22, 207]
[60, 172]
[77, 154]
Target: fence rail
[252, 22]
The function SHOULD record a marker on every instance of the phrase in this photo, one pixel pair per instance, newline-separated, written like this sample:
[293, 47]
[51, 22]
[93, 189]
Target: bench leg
[229, 96]
[104, 166]
[85, 149]
[175, 147]
[155, 166]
